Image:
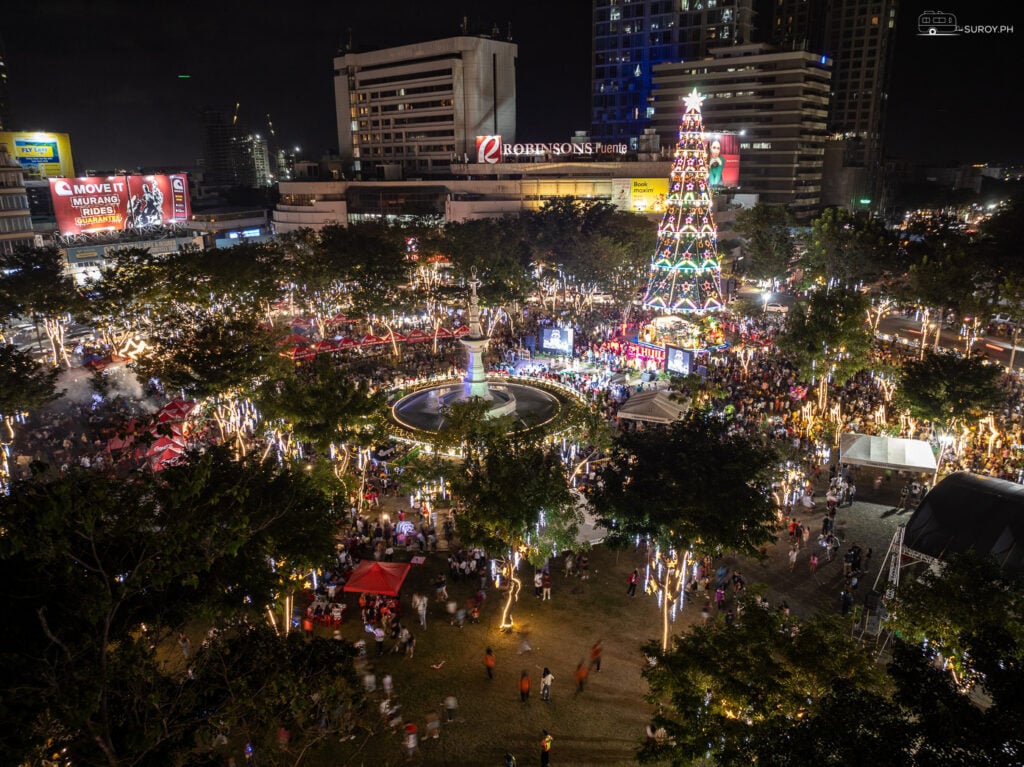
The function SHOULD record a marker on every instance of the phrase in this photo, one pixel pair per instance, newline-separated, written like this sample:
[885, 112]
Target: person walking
[489, 662]
[792, 558]
[595, 655]
[634, 578]
[545, 749]
[545, 684]
[546, 584]
[451, 707]
[814, 563]
[524, 687]
[582, 671]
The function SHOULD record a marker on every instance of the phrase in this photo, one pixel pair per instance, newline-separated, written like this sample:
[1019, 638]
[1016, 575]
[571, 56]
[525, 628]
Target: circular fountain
[527, 405]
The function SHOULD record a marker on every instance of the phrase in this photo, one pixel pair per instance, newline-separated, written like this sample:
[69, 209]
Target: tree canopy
[695, 484]
[945, 389]
[100, 572]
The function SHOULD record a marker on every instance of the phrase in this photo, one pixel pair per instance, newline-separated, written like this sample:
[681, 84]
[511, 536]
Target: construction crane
[234, 119]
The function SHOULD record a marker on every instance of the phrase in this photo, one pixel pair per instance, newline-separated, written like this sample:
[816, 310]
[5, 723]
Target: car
[1003, 319]
[776, 308]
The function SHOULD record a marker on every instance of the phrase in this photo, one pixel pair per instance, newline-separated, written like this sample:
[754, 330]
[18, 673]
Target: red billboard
[117, 203]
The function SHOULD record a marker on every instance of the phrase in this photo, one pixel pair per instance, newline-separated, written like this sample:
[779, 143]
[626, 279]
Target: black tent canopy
[969, 512]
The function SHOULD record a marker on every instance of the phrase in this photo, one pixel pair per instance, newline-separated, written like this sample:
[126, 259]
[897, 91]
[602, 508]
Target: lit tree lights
[685, 272]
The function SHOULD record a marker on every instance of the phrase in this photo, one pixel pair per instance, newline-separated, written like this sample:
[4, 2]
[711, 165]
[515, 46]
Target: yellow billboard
[647, 195]
[40, 154]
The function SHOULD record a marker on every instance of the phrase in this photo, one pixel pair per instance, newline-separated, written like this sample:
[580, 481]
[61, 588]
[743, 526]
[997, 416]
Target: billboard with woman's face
[723, 159]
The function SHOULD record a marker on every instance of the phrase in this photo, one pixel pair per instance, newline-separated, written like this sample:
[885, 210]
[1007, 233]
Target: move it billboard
[119, 203]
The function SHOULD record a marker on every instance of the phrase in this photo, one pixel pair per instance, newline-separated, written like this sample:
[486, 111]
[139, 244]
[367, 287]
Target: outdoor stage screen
[556, 340]
[678, 361]
[119, 203]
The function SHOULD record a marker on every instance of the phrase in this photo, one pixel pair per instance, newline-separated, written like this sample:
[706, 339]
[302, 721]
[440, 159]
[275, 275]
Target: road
[908, 330]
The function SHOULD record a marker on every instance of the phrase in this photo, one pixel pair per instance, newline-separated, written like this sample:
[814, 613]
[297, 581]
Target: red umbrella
[299, 353]
[371, 340]
[442, 333]
[345, 343]
[394, 337]
[167, 443]
[164, 459]
[461, 330]
[416, 335]
[322, 347]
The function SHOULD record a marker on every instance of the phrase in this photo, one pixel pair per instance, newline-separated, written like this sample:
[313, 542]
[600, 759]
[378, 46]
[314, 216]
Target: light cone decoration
[685, 271]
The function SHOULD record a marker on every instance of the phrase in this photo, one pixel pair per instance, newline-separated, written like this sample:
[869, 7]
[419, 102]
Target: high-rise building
[776, 102]
[232, 156]
[858, 35]
[631, 38]
[15, 219]
[5, 103]
[411, 110]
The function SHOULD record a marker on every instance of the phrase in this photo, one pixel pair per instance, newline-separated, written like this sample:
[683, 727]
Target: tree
[121, 299]
[946, 390]
[217, 358]
[827, 337]
[768, 248]
[695, 485]
[102, 572]
[516, 500]
[738, 693]
[312, 693]
[23, 386]
[971, 612]
[844, 248]
[35, 284]
[685, 272]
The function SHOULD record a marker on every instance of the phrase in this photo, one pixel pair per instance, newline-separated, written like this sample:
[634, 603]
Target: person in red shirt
[524, 687]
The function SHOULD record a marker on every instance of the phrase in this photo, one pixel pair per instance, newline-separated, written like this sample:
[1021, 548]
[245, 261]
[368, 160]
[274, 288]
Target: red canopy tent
[320, 347]
[294, 339]
[461, 330]
[416, 335]
[378, 577]
[299, 353]
[338, 319]
[346, 343]
[394, 337]
[175, 410]
[371, 340]
[299, 322]
[442, 333]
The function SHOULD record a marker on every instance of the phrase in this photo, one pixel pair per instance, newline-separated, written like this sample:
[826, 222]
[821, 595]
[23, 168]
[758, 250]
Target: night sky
[107, 72]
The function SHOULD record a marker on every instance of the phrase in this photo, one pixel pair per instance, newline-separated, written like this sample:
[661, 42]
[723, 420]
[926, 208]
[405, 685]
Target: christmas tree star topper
[693, 101]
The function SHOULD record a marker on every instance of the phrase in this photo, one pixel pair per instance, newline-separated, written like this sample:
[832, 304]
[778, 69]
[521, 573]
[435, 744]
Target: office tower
[411, 110]
[858, 35]
[232, 156]
[631, 38]
[776, 104]
[15, 219]
[5, 103]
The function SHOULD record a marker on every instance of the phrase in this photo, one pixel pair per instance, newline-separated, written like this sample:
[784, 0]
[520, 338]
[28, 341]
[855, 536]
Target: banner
[119, 203]
[40, 154]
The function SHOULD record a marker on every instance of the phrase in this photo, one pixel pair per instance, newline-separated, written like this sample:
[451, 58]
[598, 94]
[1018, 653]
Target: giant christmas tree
[685, 271]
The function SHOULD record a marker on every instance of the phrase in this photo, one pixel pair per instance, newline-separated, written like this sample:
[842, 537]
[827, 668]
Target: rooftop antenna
[509, 38]
[464, 27]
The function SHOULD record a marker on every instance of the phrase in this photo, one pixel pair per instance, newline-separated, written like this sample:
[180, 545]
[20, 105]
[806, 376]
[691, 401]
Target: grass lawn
[602, 726]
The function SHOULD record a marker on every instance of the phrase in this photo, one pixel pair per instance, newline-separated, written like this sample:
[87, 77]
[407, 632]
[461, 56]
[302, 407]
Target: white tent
[653, 407]
[886, 453]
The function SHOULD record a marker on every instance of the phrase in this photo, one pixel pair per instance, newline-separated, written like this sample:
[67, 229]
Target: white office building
[410, 111]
